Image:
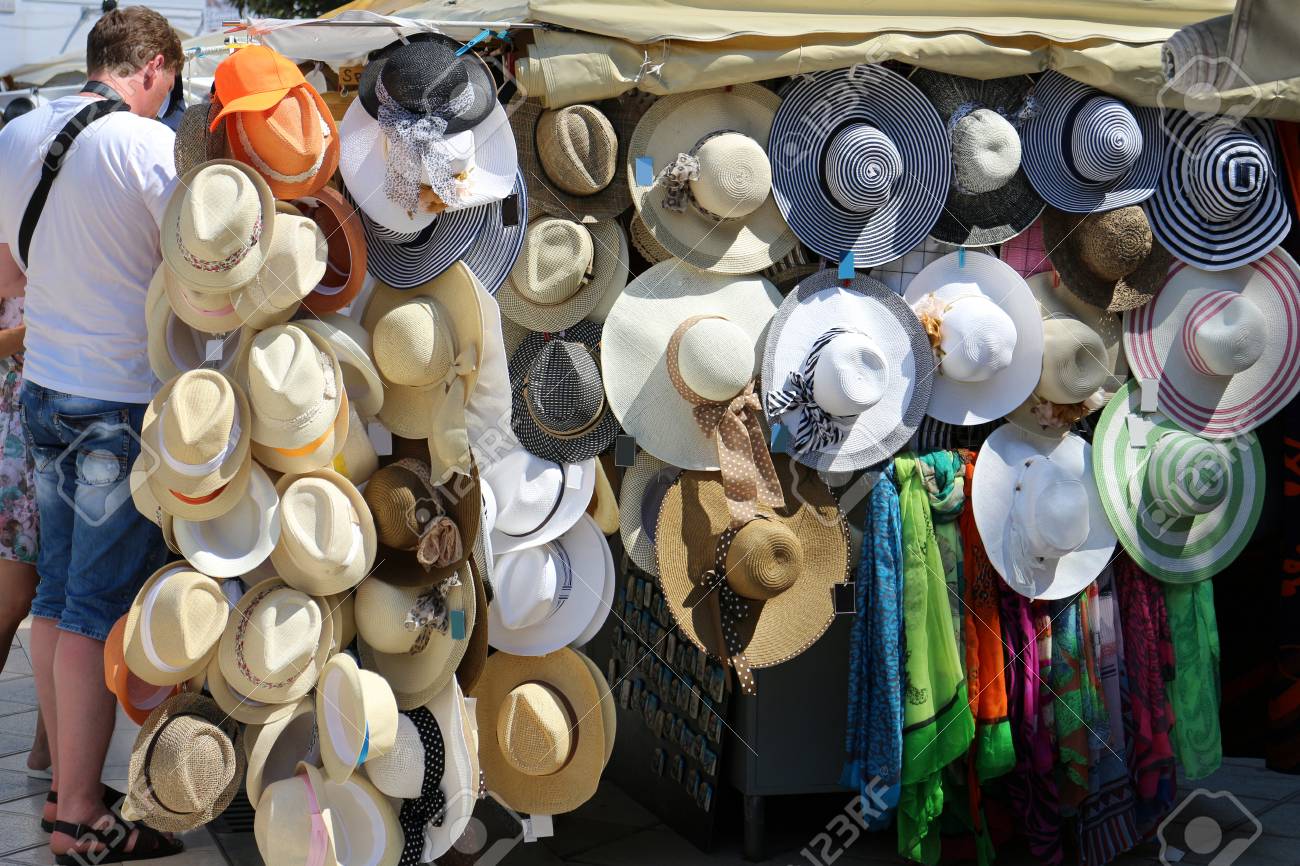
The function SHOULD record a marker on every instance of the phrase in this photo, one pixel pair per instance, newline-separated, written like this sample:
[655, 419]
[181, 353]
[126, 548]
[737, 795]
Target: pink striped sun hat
[1025, 252]
[1223, 347]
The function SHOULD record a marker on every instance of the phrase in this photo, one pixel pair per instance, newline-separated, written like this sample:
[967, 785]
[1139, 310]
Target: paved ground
[613, 830]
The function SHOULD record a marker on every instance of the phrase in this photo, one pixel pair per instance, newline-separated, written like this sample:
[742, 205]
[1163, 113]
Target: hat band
[818, 429]
[318, 844]
[265, 169]
[431, 806]
[555, 506]
[201, 470]
[678, 175]
[199, 500]
[146, 631]
[146, 775]
[320, 440]
[732, 608]
[586, 428]
[227, 310]
[219, 266]
[241, 632]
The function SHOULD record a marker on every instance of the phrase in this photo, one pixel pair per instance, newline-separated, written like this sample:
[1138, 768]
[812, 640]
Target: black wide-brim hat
[427, 69]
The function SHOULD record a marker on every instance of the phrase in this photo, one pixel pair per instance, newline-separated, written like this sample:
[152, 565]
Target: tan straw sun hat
[173, 625]
[216, 229]
[356, 716]
[1109, 259]
[563, 271]
[574, 159]
[276, 642]
[436, 523]
[327, 536]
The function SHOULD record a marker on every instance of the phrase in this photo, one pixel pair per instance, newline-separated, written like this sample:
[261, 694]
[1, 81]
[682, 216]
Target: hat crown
[289, 377]
[1227, 172]
[424, 77]
[1106, 140]
[399, 772]
[851, 374]
[862, 165]
[527, 490]
[578, 148]
[535, 729]
[397, 495]
[716, 359]
[381, 610]
[764, 560]
[281, 635]
[413, 345]
[1075, 361]
[1186, 475]
[1112, 244]
[199, 417]
[1051, 509]
[528, 584]
[565, 393]
[318, 521]
[295, 262]
[220, 214]
[977, 338]
[1224, 333]
[289, 139]
[735, 176]
[191, 762]
[186, 615]
[556, 261]
[985, 152]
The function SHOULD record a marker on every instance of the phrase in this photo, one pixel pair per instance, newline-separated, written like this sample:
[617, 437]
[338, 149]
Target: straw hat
[847, 369]
[1039, 513]
[241, 707]
[327, 538]
[194, 143]
[206, 313]
[275, 643]
[541, 731]
[417, 662]
[427, 343]
[1222, 347]
[644, 484]
[644, 242]
[358, 459]
[238, 541]
[274, 750]
[718, 357]
[987, 332]
[197, 428]
[173, 625]
[1109, 259]
[559, 408]
[721, 215]
[1183, 507]
[136, 697]
[1085, 151]
[537, 500]
[1220, 203]
[990, 199]
[1026, 253]
[356, 716]
[186, 765]
[351, 345]
[436, 522]
[295, 263]
[476, 649]
[496, 249]
[861, 160]
[294, 824]
[575, 158]
[175, 347]
[147, 503]
[563, 270]
[548, 596]
[216, 228]
[603, 507]
[345, 250]
[780, 569]
[294, 144]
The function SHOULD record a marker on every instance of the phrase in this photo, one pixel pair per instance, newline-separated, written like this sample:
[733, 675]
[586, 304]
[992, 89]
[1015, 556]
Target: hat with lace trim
[294, 144]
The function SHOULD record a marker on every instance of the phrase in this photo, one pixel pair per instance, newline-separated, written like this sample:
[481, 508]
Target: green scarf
[945, 483]
[937, 722]
[1194, 690]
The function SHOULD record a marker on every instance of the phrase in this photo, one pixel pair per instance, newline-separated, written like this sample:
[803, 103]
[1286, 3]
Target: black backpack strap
[53, 161]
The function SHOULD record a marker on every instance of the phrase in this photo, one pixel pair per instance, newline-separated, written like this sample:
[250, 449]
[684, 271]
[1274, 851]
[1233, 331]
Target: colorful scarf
[938, 726]
[945, 483]
[874, 736]
[1194, 691]
[1066, 682]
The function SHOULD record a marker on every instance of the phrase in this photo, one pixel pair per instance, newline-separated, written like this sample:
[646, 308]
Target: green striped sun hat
[1183, 507]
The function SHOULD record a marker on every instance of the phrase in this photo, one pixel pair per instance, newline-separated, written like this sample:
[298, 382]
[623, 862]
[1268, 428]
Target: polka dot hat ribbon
[730, 609]
[748, 477]
[431, 805]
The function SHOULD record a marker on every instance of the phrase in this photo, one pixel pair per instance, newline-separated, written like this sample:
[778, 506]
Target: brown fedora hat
[436, 523]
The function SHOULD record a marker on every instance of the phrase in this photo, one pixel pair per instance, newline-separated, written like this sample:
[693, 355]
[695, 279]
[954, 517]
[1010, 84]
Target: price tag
[846, 598]
[645, 171]
[1139, 429]
[573, 476]
[780, 443]
[214, 351]
[457, 620]
[1149, 394]
[381, 438]
[846, 266]
[624, 450]
[539, 827]
[350, 76]
[510, 210]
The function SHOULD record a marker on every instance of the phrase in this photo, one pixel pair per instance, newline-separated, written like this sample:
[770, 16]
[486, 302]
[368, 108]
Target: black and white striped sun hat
[404, 260]
[1087, 151]
[494, 251]
[860, 163]
[1219, 204]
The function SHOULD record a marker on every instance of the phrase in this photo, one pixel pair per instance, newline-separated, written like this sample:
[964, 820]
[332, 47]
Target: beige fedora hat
[217, 226]
[173, 625]
[327, 535]
[351, 344]
[175, 347]
[197, 427]
[295, 263]
[275, 749]
[709, 201]
[276, 642]
[238, 541]
[186, 765]
[428, 343]
[574, 159]
[563, 271]
[294, 825]
[417, 662]
[541, 731]
[204, 312]
[356, 716]
[357, 460]
[146, 502]
[240, 707]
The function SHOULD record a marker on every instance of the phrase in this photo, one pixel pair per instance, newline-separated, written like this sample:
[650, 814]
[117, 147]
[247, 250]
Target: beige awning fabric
[42, 72]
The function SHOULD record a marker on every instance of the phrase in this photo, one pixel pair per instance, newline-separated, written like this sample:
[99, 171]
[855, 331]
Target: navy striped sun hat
[494, 251]
[405, 260]
[860, 163]
[1219, 204]
[1087, 151]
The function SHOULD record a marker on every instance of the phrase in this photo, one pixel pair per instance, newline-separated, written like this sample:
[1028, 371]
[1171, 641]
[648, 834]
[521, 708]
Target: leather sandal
[111, 799]
[149, 844]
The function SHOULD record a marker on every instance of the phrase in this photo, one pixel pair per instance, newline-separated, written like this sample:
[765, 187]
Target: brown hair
[123, 40]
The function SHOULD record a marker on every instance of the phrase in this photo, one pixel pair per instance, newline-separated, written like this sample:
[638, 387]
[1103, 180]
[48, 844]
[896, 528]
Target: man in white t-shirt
[87, 379]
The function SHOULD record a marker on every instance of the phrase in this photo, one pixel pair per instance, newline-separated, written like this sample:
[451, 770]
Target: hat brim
[547, 196]
[866, 306]
[497, 246]
[208, 313]
[997, 472]
[221, 548]
[673, 125]
[1183, 550]
[969, 403]
[297, 682]
[351, 344]
[247, 267]
[609, 270]
[578, 485]
[268, 746]
[637, 532]
[346, 243]
[260, 101]
[173, 346]
[1135, 289]
[136, 697]
[606, 605]
[476, 652]
[634, 348]
[308, 577]
[814, 109]
[608, 709]
[1220, 407]
[356, 719]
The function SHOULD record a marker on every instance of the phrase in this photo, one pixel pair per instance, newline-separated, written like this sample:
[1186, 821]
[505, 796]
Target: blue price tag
[961, 257]
[846, 266]
[457, 625]
[780, 439]
[645, 171]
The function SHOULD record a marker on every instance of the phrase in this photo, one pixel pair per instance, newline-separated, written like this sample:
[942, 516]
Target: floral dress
[17, 490]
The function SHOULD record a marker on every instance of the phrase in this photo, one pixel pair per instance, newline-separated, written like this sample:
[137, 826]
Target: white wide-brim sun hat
[634, 348]
[536, 500]
[958, 276]
[234, 543]
[607, 589]
[1001, 464]
[460, 772]
[363, 165]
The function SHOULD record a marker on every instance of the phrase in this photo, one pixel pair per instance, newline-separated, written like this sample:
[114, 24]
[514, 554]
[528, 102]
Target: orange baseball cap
[254, 79]
[137, 697]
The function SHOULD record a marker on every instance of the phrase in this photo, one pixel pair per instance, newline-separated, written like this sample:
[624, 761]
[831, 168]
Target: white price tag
[537, 827]
[573, 476]
[1139, 428]
[1150, 394]
[381, 438]
[216, 349]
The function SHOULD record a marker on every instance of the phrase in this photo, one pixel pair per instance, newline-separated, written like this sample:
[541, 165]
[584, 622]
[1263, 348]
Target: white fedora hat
[597, 622]
[217, 226]
[1223, 347]
[351, 344]
[547, 596]
[1039, 512]
[327, 541]
[536, 500]
[294, 825]
[173, 625]
[987, 334]
[238, 541]
[356, 716]
[275, 749]
[275, 643]
[639, 497]
[294, 265]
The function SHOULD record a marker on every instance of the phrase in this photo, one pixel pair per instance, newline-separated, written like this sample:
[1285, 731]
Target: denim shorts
[96, 549]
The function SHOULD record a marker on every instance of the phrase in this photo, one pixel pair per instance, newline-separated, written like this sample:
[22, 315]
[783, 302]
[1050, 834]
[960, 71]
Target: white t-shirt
[94, 250]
